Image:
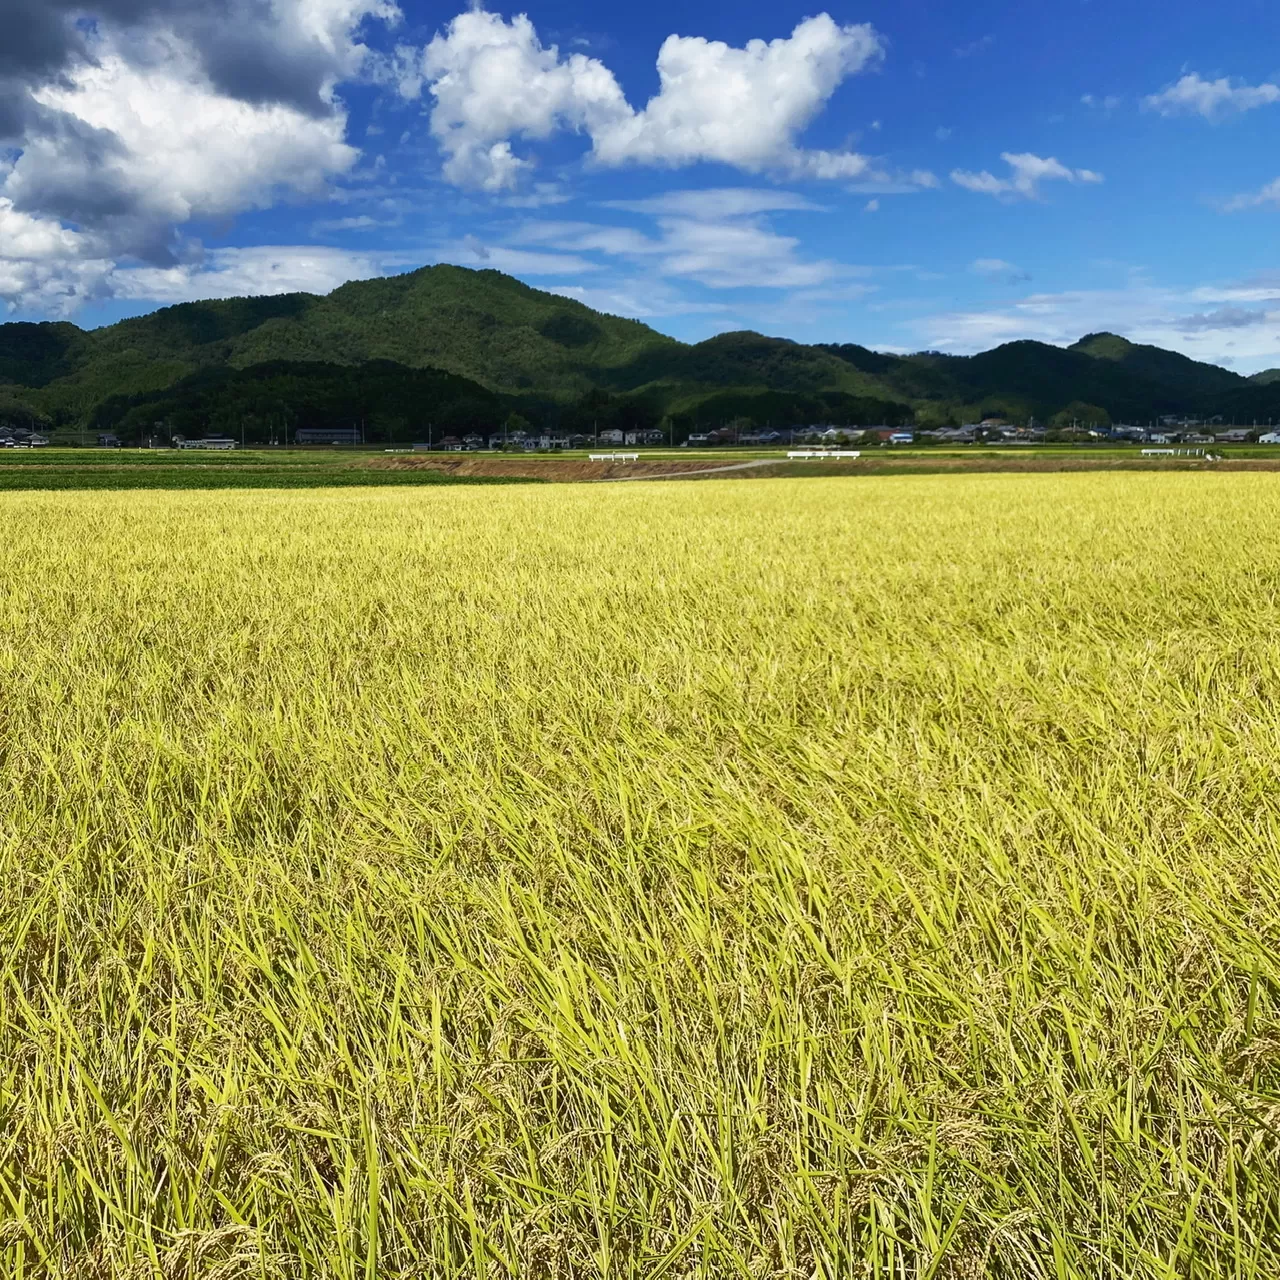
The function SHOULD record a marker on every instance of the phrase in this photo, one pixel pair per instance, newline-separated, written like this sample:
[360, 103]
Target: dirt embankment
[571, 470]
[542, 468]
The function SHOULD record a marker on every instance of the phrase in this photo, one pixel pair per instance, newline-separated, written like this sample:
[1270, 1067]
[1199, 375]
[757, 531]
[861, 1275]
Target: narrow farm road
[704, 471]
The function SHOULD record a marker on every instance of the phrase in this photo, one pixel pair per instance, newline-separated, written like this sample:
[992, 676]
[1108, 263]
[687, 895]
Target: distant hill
[448, 344]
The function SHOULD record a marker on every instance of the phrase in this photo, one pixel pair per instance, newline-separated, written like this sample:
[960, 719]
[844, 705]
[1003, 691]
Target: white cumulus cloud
[1211, 99]
[493, 81]
[1026, 173]
[44, 264]
[30, 239]
[160, 112]
[745, 107]
[180, 148]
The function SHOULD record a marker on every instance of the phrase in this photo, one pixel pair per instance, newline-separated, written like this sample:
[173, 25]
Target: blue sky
[909, 175]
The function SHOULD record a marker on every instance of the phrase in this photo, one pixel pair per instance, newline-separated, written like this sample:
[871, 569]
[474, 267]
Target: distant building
[510, 440]
[209, 442]
[21, 438]
[327, 435]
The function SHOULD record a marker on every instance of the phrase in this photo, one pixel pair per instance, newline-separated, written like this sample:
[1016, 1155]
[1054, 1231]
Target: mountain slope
[745, 359]
[480, 325]
[562, 364]
[34, 355]
[389, 400]
[1026, 378]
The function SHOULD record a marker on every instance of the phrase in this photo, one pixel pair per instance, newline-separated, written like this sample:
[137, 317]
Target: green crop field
[65, 469]
[820, 878]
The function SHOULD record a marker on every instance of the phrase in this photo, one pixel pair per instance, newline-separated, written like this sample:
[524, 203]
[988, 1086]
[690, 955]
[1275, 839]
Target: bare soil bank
[534, 468]
[570, 470]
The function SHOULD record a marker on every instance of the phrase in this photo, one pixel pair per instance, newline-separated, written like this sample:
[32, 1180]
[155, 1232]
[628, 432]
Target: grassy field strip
[98, 469]
[806, 879]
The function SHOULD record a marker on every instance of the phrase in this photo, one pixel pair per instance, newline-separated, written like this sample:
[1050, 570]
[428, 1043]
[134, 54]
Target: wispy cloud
[1236, 323]
[361, 223]
[540, 196]
[981, 45]
[259, 269]
[1027, 172]
[1226, 318]
[726, 253]
[902, 183]
[719, 202]
[718, 239]
[1212, 99]
[640, 299]
[1269, 195]
[472, 251]
[999, 269]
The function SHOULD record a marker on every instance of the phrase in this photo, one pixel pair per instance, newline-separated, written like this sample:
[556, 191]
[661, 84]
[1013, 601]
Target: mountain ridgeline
[455, 350]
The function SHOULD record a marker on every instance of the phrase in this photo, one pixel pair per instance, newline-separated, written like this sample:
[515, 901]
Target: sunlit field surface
[821, 878]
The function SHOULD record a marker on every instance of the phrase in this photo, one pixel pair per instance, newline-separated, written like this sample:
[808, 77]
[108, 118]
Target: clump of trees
[1080, 414]
[16, 412]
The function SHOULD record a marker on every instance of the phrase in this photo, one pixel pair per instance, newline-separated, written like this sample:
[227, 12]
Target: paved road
[702, 471]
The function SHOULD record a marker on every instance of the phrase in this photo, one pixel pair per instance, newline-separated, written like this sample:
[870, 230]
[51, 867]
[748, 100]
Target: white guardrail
[614, 457]
[824, 453]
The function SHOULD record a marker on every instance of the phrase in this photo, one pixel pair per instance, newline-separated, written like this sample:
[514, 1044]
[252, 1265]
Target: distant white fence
[614, 457]
[824, 453]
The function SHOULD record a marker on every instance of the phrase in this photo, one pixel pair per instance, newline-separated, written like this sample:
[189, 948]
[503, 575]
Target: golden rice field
[817, 878]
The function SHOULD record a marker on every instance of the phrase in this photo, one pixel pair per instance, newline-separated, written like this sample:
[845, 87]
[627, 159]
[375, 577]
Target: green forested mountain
[1023, 379]
[453, 346]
